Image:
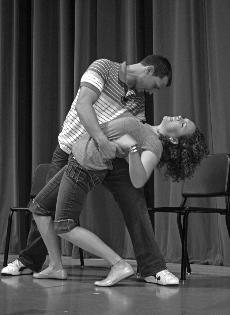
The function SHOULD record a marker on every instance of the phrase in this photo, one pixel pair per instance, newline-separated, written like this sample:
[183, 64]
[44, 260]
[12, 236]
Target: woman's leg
[76, 183]
[70, 197]
[91, 243]
[55, 269]
[46, 229]
[42, 208]
[34, 255]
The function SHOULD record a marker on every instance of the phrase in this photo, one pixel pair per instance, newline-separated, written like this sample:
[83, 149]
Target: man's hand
[125, 142]
[107, 149]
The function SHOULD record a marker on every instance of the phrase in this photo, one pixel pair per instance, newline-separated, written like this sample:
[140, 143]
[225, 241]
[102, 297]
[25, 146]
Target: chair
[211, 179]
[38, 182]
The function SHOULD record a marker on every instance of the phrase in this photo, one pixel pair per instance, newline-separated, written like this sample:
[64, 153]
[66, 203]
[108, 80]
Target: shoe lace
[15, 263]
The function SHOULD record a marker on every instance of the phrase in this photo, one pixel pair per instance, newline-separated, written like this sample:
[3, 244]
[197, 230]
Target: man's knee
[64, 226]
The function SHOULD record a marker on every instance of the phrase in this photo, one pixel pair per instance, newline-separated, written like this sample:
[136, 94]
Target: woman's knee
[64, 226]
[38, 210]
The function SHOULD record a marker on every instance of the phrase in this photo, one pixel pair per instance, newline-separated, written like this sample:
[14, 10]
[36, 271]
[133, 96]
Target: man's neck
[128, 74]
[123, 72]
[133, 72]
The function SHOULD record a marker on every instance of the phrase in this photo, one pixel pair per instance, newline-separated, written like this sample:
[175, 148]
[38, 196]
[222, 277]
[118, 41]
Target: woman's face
[176, 126]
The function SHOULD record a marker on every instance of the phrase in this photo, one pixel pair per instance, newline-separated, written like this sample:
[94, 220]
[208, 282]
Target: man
[108, 90]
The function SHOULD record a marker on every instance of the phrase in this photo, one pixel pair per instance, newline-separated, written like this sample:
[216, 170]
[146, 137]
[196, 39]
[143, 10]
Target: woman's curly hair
[180, 160]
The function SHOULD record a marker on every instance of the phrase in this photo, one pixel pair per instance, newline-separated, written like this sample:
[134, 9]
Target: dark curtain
[46, 46]
[195, 37]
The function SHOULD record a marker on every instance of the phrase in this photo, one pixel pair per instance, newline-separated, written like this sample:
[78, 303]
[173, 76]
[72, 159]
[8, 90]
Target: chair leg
[179, 224]
[227, 215]
[8, 234]
[180, 228]
[227, 219]
[81, 257]
[189, 270]
[184, 247]
[81, 253]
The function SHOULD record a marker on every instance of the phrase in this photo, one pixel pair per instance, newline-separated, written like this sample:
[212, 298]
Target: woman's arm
[140, 166]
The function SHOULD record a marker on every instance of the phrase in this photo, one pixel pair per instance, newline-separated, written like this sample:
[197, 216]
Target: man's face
[148, 82]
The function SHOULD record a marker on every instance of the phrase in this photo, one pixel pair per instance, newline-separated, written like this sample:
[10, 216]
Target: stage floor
[205, 292]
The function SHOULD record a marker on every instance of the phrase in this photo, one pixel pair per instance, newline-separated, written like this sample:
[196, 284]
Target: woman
[176, 146]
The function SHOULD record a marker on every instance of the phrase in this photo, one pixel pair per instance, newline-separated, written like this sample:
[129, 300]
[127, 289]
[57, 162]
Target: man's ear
[150, 69]
[173, 140]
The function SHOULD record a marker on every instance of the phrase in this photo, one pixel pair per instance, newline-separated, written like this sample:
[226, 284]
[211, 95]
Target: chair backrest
[39, 179]
[211, 178]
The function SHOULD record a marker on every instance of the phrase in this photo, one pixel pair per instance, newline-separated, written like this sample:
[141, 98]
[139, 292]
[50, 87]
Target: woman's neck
[156, 129]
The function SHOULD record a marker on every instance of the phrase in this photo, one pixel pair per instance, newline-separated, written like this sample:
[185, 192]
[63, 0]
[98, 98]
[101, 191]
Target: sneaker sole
[164, 284]
[20, 273]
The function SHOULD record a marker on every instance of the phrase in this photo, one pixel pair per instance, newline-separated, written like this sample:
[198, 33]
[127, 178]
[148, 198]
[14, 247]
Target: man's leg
[133, 206]
[34, 255]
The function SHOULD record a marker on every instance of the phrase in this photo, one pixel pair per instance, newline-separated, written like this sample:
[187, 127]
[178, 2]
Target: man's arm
[88, 118]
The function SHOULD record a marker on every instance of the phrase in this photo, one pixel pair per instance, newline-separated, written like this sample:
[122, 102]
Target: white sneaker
[163, 277]
[16, 268]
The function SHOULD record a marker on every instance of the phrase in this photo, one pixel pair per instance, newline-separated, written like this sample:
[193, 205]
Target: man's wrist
[100, 140]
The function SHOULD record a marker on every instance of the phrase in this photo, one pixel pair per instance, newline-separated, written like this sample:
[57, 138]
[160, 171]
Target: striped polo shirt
[114, 99]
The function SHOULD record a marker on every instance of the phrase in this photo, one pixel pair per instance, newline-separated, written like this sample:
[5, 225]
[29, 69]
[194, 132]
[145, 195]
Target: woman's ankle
[118, 261]
[55, 266]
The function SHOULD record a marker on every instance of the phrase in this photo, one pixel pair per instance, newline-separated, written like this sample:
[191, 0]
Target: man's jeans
[133, 205]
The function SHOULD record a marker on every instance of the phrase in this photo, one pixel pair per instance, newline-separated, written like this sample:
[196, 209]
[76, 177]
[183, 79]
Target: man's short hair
[161, 65]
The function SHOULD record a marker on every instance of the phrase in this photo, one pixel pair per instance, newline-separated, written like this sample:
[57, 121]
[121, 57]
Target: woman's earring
[173, 140]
